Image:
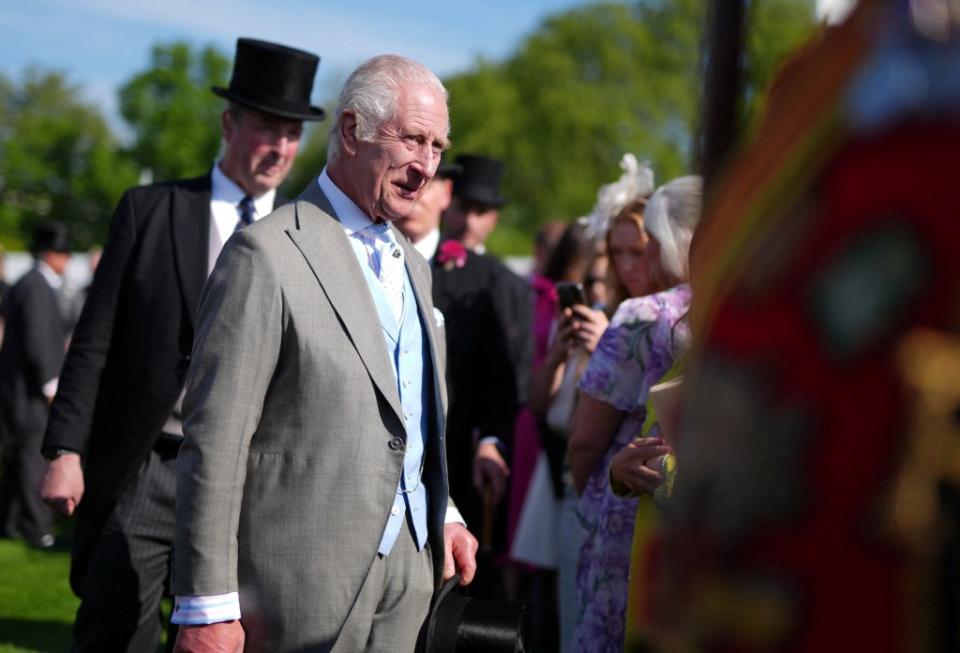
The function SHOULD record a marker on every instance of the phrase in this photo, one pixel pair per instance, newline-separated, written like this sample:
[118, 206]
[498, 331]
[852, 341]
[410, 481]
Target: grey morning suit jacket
[294, 430]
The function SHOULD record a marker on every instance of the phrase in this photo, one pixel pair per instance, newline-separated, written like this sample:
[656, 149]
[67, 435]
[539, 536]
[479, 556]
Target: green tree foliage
[593, 83]
[58, 160]
[174, 116]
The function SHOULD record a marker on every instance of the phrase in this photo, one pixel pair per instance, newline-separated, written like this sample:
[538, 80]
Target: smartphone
[570, 294]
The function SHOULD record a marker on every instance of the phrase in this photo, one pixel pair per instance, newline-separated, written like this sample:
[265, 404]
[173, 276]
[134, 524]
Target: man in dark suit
[488, 311]
[472, 216]
[4, 287]
[118, 408]
[30, 360]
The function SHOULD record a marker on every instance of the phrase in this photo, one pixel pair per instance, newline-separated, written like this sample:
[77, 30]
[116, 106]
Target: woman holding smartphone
[541, 538]
[648, 246]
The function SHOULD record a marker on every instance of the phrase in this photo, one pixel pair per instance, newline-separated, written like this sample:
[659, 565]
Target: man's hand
[223, 637]
[62, 483]
[459, 553]
[490, 471]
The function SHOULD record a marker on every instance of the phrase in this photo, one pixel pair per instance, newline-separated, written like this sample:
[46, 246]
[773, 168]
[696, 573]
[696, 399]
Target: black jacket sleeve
[71, 414]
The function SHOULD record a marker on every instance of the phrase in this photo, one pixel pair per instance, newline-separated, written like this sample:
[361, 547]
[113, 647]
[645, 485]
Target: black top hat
[50, 237]
[274, 79]
[448, 170]
[479, 180]
[461, 624]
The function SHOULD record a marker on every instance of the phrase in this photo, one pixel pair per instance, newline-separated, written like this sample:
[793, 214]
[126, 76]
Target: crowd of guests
[547, 376]
[337, 407]
[611, 297]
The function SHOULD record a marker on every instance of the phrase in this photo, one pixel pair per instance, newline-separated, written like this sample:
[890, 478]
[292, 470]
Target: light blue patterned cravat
[388, 259]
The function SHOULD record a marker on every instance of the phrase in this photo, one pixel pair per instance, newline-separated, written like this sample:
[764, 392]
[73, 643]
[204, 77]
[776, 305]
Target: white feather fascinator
[635, 182]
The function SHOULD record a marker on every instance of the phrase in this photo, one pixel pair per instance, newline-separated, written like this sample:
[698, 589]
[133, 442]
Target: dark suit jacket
[33, 350]
[4, 290]
[483, 332]
[131, 347]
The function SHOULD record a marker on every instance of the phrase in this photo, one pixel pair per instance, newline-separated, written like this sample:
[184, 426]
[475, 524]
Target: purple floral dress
[637, 349]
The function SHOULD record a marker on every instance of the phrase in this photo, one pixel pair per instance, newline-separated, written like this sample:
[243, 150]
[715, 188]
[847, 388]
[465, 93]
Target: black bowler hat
[461, 624]
[50, 237]
[479, 180]
[273, 78]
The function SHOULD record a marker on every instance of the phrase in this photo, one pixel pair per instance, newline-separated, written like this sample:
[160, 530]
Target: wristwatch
[52, 453]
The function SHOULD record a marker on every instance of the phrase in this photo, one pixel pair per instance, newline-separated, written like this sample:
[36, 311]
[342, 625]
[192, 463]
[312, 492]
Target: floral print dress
[641, 344]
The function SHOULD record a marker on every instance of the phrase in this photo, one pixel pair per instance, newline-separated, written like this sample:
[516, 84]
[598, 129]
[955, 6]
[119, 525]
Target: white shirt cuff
[491, 439]
[453, 516]
[50, 387]
[200, 610]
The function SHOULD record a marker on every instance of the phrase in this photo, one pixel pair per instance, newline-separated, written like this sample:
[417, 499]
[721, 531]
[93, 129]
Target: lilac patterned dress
[637, 349]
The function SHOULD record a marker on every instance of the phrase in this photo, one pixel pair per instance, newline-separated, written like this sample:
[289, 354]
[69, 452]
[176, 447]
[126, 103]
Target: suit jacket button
[396, 443]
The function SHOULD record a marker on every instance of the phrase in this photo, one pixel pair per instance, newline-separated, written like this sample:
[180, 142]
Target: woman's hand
[563, 342]
[586, 325]
[628, 469]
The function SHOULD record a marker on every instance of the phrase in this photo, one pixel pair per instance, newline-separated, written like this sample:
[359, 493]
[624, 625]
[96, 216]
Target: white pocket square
[438, 317]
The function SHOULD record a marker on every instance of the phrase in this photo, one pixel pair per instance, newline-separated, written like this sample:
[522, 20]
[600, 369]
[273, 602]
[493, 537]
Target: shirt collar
[53, 279]
[427, 246]
[224, 189]
[349, 214]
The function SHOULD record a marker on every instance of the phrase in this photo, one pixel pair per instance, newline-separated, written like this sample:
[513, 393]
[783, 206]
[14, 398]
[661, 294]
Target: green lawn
[36, 604]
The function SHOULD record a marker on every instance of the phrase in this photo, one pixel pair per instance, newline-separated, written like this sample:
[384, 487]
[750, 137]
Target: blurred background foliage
[585, 87]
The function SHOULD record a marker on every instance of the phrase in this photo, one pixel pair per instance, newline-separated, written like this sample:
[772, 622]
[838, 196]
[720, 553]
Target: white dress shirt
[427, 246]
[225, 195]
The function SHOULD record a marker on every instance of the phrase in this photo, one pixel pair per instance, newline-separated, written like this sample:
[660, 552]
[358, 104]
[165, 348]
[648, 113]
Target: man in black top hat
[115, 424]
[472, 216]
[489, 312]
[30, 360]
[475, 208]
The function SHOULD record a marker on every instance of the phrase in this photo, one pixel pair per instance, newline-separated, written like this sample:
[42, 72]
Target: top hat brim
[480, 195]
[311, 112]
[448, 170]
[460, 623]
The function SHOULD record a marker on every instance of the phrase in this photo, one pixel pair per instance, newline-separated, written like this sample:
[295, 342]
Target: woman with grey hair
[645, 338]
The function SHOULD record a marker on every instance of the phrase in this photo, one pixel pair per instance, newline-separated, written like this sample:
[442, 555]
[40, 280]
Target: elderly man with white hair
[313, 510]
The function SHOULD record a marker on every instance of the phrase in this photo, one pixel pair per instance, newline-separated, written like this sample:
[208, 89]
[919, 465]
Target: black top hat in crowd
[461, 624]
[50, 237]
[448, 170]
[274, 79]
[479, 179]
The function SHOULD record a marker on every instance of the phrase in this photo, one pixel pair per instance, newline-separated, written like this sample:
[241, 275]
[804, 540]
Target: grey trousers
[393, 603]
[129, 570]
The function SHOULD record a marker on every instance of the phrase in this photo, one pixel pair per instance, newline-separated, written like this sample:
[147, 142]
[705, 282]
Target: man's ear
[227, 125]
[348, 133]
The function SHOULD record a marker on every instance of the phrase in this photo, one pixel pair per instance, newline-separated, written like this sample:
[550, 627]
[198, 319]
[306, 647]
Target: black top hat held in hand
[460, 624]
[274, 79]
[479, 180]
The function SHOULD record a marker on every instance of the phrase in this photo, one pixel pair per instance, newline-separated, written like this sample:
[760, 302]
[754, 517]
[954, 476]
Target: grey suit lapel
[324, 245]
